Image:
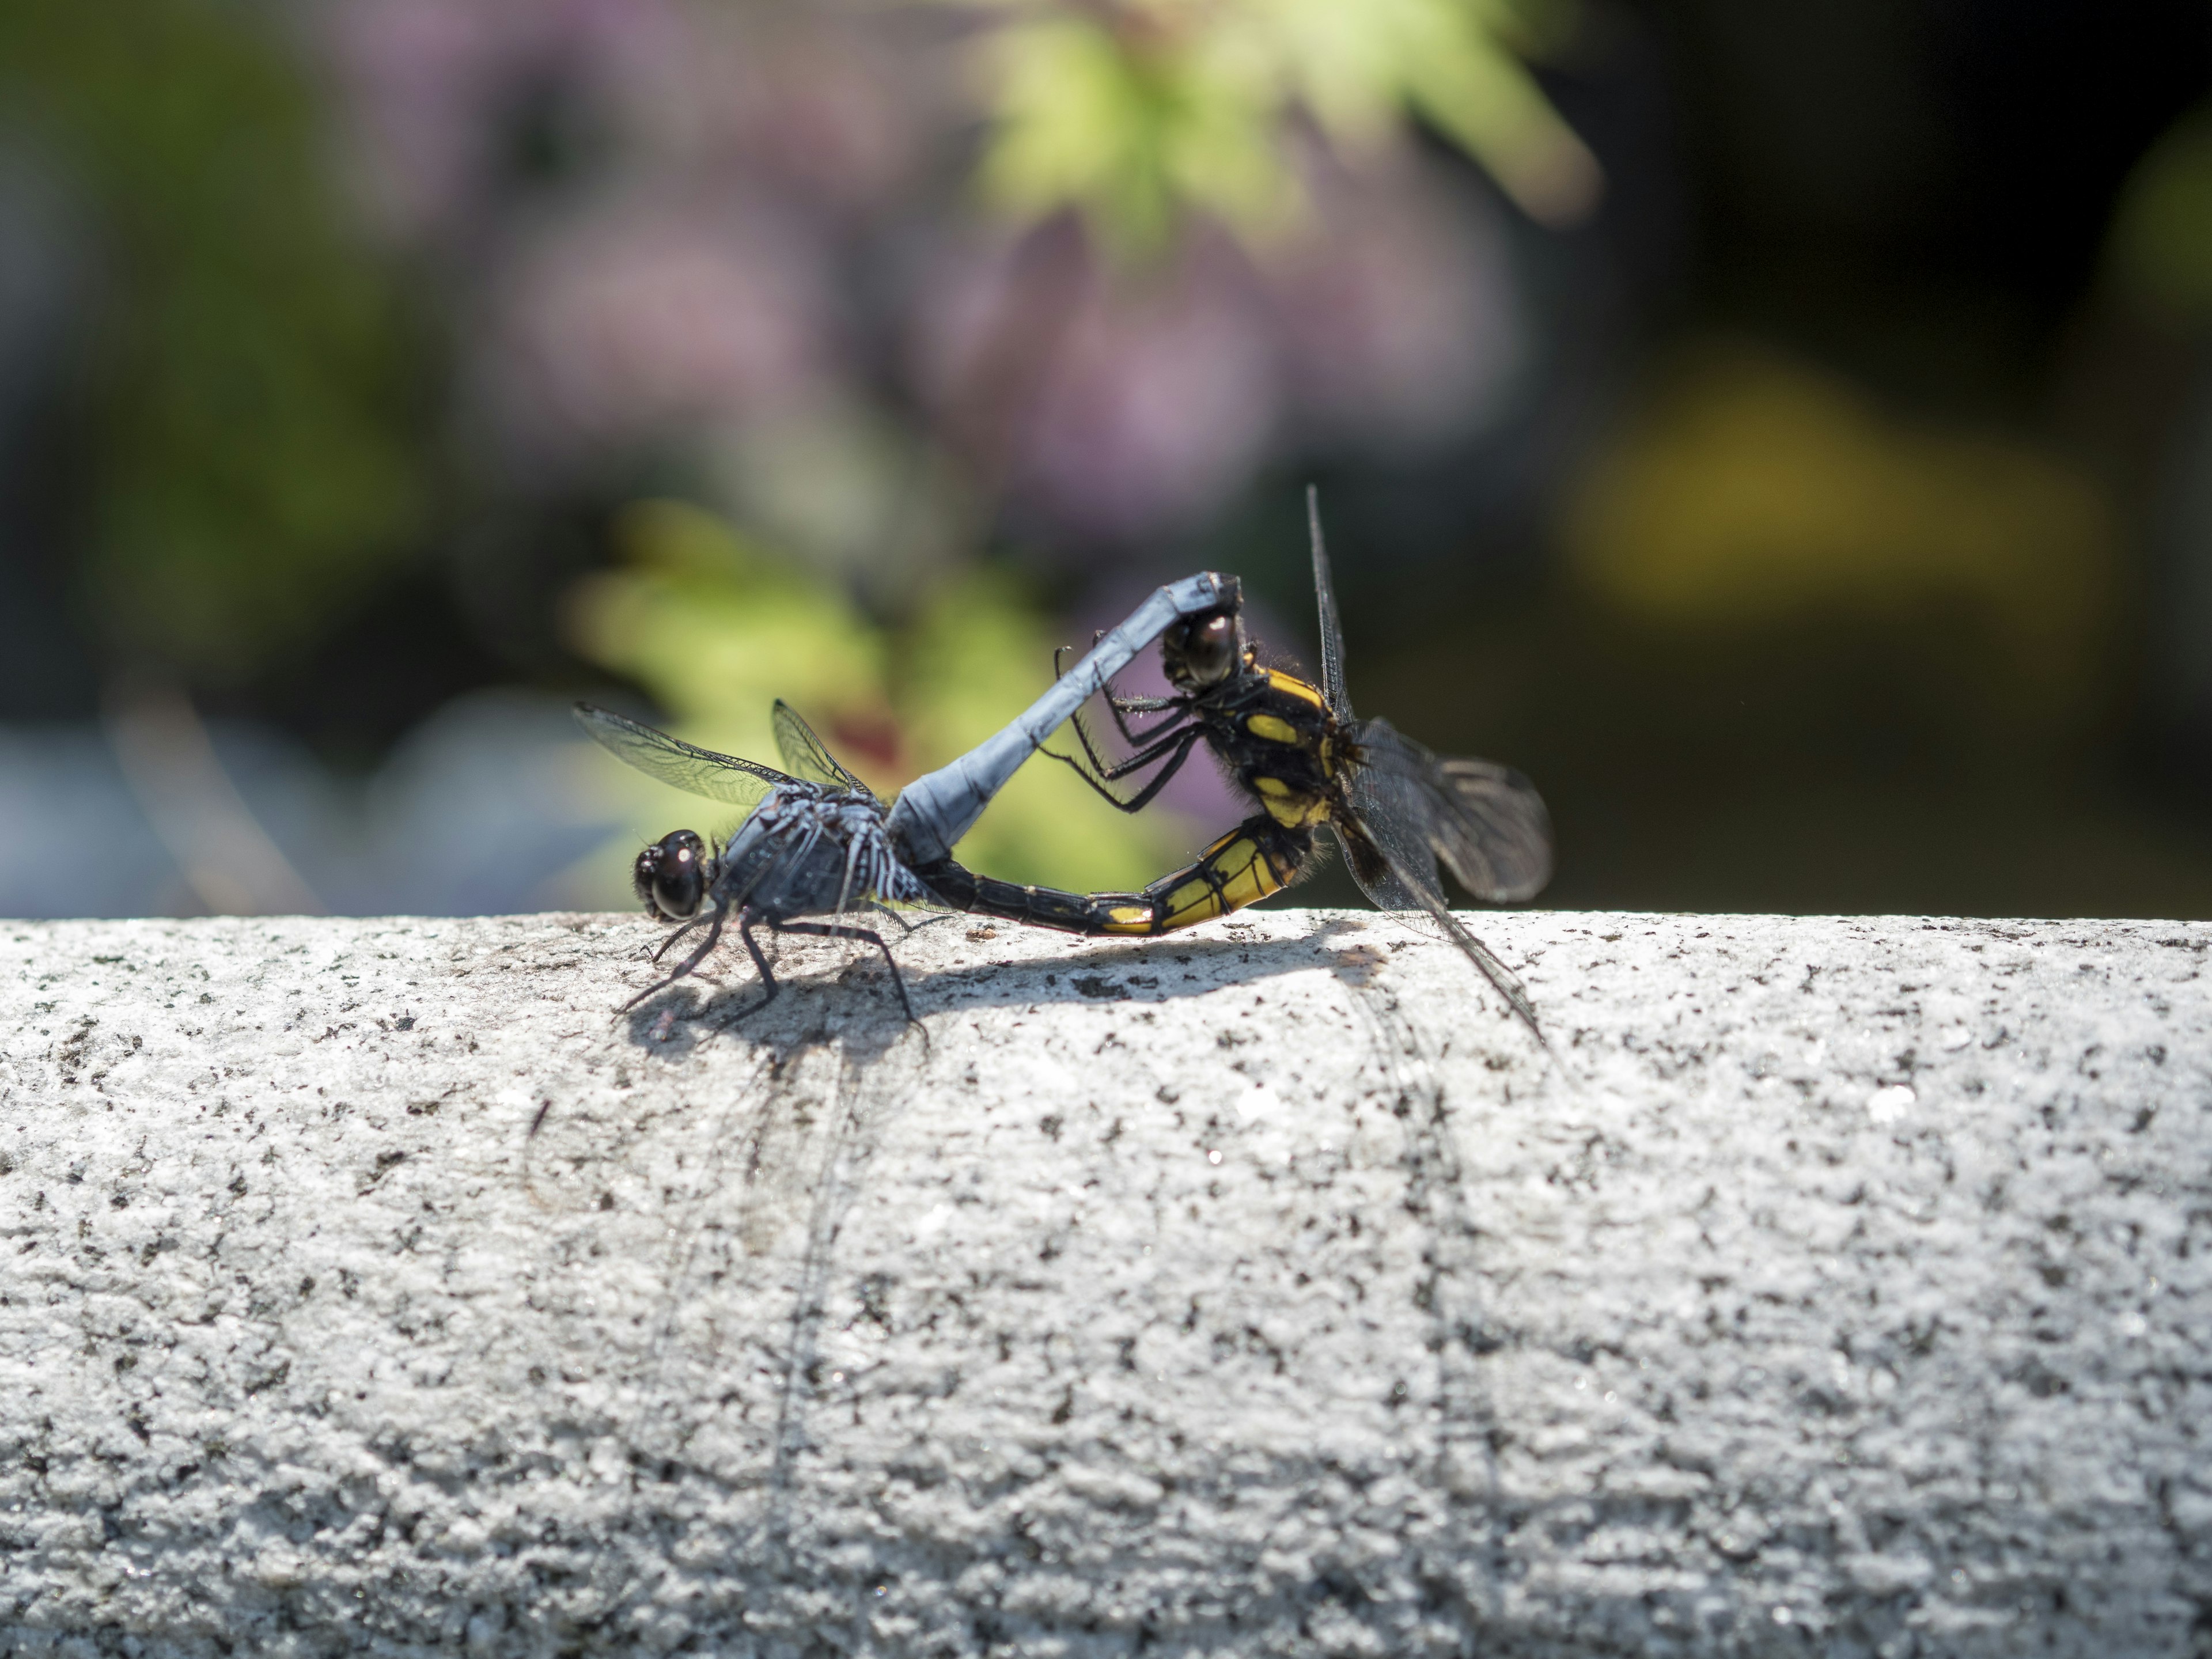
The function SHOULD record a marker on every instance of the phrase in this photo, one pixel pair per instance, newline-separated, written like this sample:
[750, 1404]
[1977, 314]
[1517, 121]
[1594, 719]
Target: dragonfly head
[1201, 652]
[672, 876]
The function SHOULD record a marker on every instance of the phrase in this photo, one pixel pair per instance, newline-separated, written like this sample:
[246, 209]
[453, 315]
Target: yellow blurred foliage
[717, 629]
[1754, 492]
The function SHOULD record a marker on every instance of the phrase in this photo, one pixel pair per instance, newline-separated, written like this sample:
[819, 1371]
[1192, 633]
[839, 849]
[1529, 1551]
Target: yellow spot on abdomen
[1251, 884]
[1192, 902]
[1236, 870]
[1288, 806]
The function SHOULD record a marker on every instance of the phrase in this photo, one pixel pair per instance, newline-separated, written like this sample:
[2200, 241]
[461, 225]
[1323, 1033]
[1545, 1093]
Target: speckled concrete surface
[1833, 1286]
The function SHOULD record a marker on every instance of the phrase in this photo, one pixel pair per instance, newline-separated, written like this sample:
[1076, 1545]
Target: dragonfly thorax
[811, 851]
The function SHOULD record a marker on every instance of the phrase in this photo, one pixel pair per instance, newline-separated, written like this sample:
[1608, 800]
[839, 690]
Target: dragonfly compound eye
[1201, 652]
[671, 876]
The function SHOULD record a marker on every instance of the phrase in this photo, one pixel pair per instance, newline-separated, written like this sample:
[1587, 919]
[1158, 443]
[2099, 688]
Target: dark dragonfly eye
[671, 876]
[1201, 652]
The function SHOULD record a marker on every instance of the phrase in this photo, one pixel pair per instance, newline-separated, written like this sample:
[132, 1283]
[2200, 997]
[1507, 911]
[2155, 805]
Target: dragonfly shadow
[853, 1005]
[1147, 970]
[855, 1012]
[769, 1175]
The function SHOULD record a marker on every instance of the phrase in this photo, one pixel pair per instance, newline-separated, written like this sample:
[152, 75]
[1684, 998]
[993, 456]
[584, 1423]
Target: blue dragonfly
[817, 850]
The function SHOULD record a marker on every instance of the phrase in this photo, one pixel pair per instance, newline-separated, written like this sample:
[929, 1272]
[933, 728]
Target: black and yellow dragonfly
[1308, 764]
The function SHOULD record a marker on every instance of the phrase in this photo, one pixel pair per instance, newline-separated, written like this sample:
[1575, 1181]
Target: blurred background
[1784, 432]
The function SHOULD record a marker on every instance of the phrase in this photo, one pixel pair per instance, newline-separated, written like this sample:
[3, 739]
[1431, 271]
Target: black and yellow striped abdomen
[1254, 860]
[1257, 858]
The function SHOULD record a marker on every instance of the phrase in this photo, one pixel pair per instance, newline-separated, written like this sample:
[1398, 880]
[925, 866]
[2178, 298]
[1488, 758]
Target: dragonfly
[816, 848]
[1308, 765]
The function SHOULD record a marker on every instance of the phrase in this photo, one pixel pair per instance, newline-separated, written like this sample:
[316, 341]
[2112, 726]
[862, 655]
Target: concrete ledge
[1837, 1287]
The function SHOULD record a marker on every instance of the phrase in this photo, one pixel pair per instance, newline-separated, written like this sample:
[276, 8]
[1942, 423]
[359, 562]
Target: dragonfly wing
[1336, 698]
[1485, 822]
[1372, 871]
[1499, 831]
[695, 770]
[806, 755]
[1405, 815]
[1395, 801]
[1404, 888]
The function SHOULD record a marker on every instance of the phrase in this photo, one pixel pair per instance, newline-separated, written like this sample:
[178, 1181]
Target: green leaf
[1140, 114]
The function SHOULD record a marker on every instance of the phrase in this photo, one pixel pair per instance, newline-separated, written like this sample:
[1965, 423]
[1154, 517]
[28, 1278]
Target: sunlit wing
[1338, 700]
[695, 770]
[1485, 822]
[805, 754]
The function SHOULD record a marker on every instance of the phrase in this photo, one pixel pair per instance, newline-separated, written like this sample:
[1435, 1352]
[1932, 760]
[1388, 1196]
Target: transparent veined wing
[1401, 887]
[1334, 694]
[806, 755]
[1404, 815]
[695, 770]
[1502, 852]
[1485, 822]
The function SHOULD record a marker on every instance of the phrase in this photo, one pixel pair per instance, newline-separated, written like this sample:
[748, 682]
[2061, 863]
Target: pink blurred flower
[637, 319]
[1109, 404]
[809, 101]
[1121, 405]
[428, 83]
[1395, 311]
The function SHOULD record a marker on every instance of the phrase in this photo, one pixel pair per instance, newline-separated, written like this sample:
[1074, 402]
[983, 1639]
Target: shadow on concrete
[851, 1001]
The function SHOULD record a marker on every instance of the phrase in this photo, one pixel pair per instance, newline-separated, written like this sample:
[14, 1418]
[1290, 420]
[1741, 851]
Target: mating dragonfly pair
[817, 843]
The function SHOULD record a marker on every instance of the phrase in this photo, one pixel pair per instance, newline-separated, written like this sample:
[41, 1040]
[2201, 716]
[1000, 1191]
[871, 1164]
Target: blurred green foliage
[1135, 110]
[252, 445]
[717, 629]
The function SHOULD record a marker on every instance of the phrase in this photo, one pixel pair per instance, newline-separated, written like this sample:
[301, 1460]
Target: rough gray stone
[1832, 1287]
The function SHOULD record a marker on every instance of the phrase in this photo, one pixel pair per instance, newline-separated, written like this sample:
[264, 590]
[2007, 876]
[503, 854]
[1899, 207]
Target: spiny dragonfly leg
[1175, 747]
[1122, 708]
[662, 949]
[714, 937]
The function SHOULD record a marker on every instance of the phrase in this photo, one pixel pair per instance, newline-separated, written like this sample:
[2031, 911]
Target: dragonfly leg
[844, 930]
[1122, 708]
[1175, 747]
[770, 988]
[713, 938]
[1148, 748]
[905, 926]
[663, 948]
